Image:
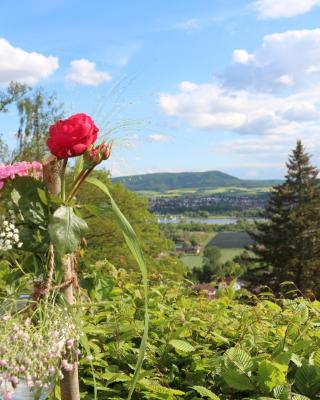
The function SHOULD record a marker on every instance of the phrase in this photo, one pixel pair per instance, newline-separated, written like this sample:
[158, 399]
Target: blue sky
[180, 85]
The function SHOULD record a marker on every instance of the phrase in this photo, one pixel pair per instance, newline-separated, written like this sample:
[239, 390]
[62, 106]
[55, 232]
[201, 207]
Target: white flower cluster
[9, 234]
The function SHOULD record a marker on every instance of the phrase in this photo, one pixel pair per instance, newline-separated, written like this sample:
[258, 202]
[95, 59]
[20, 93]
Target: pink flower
[66, 365]
[55, 334]
[70, 343]
[8, 396]
[22, 168]
[14, 380]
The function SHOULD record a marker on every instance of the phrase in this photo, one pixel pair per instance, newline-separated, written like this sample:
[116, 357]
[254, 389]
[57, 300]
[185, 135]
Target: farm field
[231, 244]
[230, 254]
[230, 240]
[203, 192]
[193, 261]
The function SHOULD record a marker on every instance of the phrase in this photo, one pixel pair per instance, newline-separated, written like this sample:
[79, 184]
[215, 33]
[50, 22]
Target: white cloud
[84, 72]
[212, 107]
[189, 26]
[158, 137]
[285, 59]
[270, 97]
[273, 90]
[22, 66]
[241, 56]
[272, 9]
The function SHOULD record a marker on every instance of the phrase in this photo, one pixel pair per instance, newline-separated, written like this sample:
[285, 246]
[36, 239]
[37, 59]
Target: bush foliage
[232, 347]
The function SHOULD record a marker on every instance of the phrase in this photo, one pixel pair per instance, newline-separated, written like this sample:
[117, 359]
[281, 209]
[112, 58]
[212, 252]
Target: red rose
[72, 136]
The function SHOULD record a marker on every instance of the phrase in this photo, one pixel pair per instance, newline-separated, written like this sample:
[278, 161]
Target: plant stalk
[63, 179]
[69, 385]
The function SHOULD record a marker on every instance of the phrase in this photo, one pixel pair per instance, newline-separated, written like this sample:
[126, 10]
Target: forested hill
[183, 180]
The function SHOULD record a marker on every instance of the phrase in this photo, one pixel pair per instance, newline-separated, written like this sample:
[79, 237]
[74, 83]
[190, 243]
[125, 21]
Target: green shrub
[201, 348]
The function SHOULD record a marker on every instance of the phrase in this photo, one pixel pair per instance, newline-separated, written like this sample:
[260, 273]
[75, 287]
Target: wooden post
[69, 385]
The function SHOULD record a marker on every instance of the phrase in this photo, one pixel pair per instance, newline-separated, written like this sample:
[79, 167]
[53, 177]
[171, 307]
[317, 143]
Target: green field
[230, 240]
[231, 244]
[192, 261]
[230, 254]
[203, 192]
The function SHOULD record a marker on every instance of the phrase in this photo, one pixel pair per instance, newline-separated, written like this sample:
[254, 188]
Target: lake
[209, 221]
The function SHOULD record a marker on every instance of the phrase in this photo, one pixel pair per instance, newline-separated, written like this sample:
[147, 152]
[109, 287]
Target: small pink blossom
[8, 396]
[66, 365]
[22, 168]
[70, 343]
[14, 380]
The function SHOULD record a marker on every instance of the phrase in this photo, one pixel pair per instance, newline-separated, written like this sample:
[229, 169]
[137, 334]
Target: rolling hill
[161, 182]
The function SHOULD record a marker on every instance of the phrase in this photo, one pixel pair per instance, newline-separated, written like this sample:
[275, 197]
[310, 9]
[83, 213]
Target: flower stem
[63, 179]
[81, 178]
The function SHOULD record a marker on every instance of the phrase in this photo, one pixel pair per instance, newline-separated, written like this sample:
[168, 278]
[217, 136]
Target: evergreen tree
[289, 240]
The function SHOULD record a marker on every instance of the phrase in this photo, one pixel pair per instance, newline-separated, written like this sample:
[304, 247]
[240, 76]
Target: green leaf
[238, 358]
[43, 196]
[25, 195]
[316, 358]
[154, 386]
[238, 365]
[100, 210]
[281, 392]
[66, 230]
[204, 392]
[307, 380]
[299, 397]
[98, 286]
[134, 246]
[182, 345]
[270, 374]
[237, 380]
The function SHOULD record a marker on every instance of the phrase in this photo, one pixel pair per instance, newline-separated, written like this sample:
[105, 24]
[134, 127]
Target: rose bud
[95, 155]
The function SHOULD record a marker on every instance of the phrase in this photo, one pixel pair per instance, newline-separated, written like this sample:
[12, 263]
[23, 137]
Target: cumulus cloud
[84, 72]
[277, 63]
[273, 89]
[214, 107]
[158, 137]
[272, 9]
[22, 66]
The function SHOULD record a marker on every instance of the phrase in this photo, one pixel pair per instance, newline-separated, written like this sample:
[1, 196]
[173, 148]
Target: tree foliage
[105, 240]
[37, 111]
[289, 240]
[211, 265]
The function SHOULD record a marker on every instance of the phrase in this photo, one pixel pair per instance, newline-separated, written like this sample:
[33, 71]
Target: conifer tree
[289, 240]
